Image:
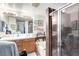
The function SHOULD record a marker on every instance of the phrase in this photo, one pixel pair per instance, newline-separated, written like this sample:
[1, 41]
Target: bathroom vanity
[23, 42]
[27, 44]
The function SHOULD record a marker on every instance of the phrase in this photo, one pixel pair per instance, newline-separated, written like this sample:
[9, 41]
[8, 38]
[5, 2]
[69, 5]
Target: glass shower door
[70, 31]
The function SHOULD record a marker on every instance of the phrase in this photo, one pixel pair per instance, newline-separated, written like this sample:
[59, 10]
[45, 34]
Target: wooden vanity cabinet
[28, 44]
[19, 44]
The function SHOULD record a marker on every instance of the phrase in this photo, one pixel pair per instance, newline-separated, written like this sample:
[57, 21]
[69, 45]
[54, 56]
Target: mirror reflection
[14, 24]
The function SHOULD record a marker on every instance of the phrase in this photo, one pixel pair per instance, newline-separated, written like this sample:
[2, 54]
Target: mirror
[17, 24]
[24, 25]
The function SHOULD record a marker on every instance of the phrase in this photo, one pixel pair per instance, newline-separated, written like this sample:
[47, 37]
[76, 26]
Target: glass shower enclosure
[70, 30]
[65, 31]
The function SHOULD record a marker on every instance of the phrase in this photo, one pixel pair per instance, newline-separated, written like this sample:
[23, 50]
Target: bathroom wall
[39, 24]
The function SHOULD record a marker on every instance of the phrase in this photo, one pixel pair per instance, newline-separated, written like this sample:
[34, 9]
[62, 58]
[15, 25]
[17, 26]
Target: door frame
[49, 38]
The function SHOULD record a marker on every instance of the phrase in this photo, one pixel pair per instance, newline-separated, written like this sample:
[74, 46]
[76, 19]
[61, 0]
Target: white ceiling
[31, 10]
[44, 5]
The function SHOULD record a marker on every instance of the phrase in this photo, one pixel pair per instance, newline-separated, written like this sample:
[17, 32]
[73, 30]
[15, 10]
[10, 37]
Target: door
[70, 31]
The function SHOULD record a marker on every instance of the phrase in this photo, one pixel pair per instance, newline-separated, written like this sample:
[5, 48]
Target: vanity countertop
[14, 37]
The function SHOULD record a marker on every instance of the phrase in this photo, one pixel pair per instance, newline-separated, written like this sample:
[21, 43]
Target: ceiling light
[35, 4]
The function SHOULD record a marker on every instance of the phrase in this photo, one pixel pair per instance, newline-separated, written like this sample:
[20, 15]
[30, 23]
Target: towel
[8, 48]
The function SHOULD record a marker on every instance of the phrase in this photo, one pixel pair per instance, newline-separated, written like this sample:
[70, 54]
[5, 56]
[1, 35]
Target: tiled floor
[32, 54]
